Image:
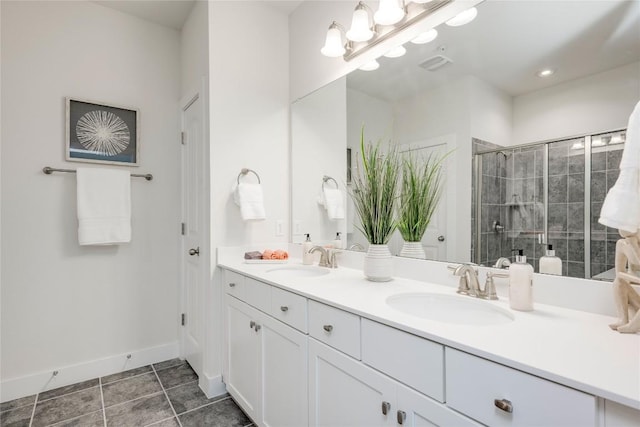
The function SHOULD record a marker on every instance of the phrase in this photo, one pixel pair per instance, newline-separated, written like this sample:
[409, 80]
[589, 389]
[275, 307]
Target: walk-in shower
[528, 196]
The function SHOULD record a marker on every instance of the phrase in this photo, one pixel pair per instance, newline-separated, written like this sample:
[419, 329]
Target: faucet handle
[333, 260]
[490, 286]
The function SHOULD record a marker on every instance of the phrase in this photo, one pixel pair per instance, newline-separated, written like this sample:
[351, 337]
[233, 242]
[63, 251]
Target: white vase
[413, 250]
[378, 263]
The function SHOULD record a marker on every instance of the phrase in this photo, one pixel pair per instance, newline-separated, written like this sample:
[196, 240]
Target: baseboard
[212, 386]
[31, 384]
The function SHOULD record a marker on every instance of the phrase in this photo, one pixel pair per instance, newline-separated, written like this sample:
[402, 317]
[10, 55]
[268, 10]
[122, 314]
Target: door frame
[201, 91]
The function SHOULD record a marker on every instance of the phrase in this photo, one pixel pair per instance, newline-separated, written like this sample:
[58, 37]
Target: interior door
[434, 240]
[193, 250]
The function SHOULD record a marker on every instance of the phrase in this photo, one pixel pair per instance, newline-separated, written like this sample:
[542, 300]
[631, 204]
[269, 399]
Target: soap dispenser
[337, 243]
[550, 263]
[307, 258]
[521, 284]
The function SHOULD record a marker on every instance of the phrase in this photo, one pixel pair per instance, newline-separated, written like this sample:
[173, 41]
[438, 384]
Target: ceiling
[510, 41]
[174, 13]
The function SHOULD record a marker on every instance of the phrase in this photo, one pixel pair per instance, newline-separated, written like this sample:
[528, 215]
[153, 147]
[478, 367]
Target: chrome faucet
[328, 256]
[324, 256]
[470, 285]
[356, 247]
[502, 262]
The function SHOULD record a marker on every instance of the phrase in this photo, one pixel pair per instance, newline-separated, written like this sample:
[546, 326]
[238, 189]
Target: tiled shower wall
[512, 192]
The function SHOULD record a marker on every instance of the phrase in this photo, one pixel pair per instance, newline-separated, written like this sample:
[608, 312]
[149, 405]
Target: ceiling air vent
[435, 62]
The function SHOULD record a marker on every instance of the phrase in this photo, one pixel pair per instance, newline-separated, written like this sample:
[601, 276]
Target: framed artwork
[102, 133]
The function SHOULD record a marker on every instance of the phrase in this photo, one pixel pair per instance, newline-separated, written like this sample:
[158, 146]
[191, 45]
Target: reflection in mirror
[489, 105]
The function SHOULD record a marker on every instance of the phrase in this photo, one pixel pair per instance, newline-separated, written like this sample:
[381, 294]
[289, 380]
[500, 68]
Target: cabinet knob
[195, 251]
[257, 328]
[328, 328]
[232, 285]
[504, 405]
[385, 408]
[402, 416]
[284, 308]
[252, 324]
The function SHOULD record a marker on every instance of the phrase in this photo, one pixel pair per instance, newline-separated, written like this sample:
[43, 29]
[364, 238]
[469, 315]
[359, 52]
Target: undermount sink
[299, 271]
[454, 309]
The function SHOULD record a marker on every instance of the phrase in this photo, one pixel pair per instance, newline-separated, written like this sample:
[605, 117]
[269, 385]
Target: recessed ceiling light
[370, 66]
[463, 17]
[546, 72]
[396, 52]
[426, 37]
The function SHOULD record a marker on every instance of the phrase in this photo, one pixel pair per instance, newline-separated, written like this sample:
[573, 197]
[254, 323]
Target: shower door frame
[545, 177]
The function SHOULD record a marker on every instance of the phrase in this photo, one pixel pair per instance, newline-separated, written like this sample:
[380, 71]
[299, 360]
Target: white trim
[31, 384]
[212, 386]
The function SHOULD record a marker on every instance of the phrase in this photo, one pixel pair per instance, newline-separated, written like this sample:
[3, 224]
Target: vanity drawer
[234, 284]
[412, 360]
[257, 294]
[289, 308]
[476, 387]
[335, 327]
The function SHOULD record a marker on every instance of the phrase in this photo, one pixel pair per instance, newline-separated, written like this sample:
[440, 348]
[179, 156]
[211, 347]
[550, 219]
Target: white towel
[104, 206]
[621, 207]
[333, 202]
[251, 201]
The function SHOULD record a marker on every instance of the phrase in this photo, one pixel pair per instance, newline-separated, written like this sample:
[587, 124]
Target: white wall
[249, 127]
[320, 150]
[63, 304]
[592, 104]
[194, 49]
[445, 111]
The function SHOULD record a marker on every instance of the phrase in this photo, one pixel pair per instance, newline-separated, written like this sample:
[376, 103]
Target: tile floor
[163, 394]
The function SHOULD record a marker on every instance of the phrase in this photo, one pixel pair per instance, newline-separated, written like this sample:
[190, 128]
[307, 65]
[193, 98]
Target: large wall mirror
[531, 156]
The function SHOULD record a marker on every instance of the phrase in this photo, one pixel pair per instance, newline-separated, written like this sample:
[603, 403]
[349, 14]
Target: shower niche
[529, 196]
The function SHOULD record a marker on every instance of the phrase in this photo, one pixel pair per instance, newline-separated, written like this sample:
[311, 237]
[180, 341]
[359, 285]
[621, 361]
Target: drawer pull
[385, 408]
[252, 324]
[401, 417]
[504, 405]
[232, 285]
[257, 328]
[284, 308]
[328, 328]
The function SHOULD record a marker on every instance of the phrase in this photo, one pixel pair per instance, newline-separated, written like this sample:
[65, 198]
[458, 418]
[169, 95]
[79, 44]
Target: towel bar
[245, 171]
[327, 178]
[49, 170]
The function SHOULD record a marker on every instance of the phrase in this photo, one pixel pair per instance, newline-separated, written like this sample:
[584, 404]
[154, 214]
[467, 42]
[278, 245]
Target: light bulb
[360, 29]
[389, 12]
[370, 66]
[333, 46]
[396, 52]
[426, 37]
[463, 17]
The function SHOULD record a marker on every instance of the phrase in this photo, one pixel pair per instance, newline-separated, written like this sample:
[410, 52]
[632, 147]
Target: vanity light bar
[414, 12]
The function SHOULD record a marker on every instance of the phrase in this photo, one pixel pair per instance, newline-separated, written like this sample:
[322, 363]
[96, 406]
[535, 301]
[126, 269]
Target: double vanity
[308, 345]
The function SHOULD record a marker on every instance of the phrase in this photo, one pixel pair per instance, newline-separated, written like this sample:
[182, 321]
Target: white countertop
[574, 348]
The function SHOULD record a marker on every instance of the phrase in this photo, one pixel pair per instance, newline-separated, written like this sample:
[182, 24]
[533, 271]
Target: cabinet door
[284, 375]
[242, 356]
[417, 410]
[343, 392]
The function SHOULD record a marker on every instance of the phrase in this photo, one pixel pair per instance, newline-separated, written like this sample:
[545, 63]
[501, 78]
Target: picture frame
[97, 132]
